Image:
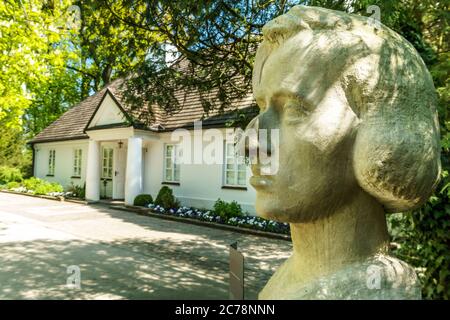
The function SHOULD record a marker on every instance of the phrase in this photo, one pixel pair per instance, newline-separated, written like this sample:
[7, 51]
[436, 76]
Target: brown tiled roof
[72, 123]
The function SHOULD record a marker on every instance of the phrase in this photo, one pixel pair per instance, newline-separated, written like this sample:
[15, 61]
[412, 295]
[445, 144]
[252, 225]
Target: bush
[166, 199]
[227, 210]
[48, 187]
[8, 174]
[32, 183]
[12, 185]
[143, 200]
[77, 191]
[422, 238]
[39, 186]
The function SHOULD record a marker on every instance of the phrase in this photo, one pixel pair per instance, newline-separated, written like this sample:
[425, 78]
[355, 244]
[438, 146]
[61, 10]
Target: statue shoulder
[380, 277]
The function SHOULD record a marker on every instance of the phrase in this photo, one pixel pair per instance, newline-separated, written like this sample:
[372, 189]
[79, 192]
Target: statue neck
[351, 234]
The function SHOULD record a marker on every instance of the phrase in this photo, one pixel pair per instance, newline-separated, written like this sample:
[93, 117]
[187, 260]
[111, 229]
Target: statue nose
[256, 141]
[247, 141]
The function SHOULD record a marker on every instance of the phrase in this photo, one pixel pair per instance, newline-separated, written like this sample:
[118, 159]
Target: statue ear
[397, 161]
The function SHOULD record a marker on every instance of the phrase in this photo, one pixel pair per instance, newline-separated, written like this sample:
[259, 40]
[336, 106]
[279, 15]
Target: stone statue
[358, 138]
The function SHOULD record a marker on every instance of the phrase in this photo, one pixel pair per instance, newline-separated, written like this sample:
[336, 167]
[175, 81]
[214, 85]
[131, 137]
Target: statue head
[355, 109]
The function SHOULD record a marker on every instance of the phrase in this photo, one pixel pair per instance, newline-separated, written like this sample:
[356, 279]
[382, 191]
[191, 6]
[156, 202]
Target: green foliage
[77, 191]
[422, 239]
[52, 57]
[12, 185]
[108, 48]
[166, 199]
[227, 210]
[143, 200]
[8, 174]
[42, 187]
[46, 188]
[32, 183]
[13, 150]
[34, 45]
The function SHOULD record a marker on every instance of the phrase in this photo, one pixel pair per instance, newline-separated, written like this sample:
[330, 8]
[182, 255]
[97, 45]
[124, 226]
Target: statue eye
[295, 111]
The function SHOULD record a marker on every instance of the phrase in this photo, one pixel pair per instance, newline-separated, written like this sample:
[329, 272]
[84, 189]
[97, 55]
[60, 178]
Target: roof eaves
[34, 141]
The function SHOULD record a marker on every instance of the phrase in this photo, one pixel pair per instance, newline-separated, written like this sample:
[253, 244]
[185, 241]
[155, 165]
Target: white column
[93, 171]
[133, 179]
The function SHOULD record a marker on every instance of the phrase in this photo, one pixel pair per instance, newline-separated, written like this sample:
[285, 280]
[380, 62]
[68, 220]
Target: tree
[106, 47]
[13, 152]
[33, 44]
[35, 48]
[218, 39]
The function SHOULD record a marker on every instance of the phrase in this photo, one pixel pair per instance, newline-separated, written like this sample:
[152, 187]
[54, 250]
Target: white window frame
[109, 163]
[174, 167]
[51, 162]
[77, 161]
[236, 168]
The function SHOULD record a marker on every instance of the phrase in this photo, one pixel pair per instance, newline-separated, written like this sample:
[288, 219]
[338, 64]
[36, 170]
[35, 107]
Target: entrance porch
[115, 163]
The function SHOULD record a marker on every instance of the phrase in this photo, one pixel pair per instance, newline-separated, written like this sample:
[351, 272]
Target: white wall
[200, 184]
[63, 161]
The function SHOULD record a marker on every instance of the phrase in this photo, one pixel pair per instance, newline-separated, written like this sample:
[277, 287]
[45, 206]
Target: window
[107, 163]
[77, 162]
[51, 163]
[235, 171]
[171, 168]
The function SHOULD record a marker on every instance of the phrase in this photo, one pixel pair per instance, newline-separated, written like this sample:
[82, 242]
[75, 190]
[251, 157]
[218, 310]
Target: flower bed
[51, 194]
[250, 222]
[36, 186]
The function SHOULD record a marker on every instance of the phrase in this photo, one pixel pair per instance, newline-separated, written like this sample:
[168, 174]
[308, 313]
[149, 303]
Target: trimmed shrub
[143, 200]
[227, 210]
[8, 174]
[166, 199]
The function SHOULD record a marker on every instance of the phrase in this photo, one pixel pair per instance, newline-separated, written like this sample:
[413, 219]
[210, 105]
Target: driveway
[120, 255]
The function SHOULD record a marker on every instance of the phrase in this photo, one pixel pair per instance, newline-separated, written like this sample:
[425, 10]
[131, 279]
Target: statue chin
[283, 216]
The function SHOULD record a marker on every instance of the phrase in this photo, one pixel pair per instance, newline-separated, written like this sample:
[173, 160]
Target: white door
[106, 178]
[119, 173]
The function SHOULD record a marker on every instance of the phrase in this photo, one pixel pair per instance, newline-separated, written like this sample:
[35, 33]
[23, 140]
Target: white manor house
[118, 152]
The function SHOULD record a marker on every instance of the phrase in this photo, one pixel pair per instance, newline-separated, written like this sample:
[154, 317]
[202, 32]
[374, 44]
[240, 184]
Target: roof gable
[108, 112]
